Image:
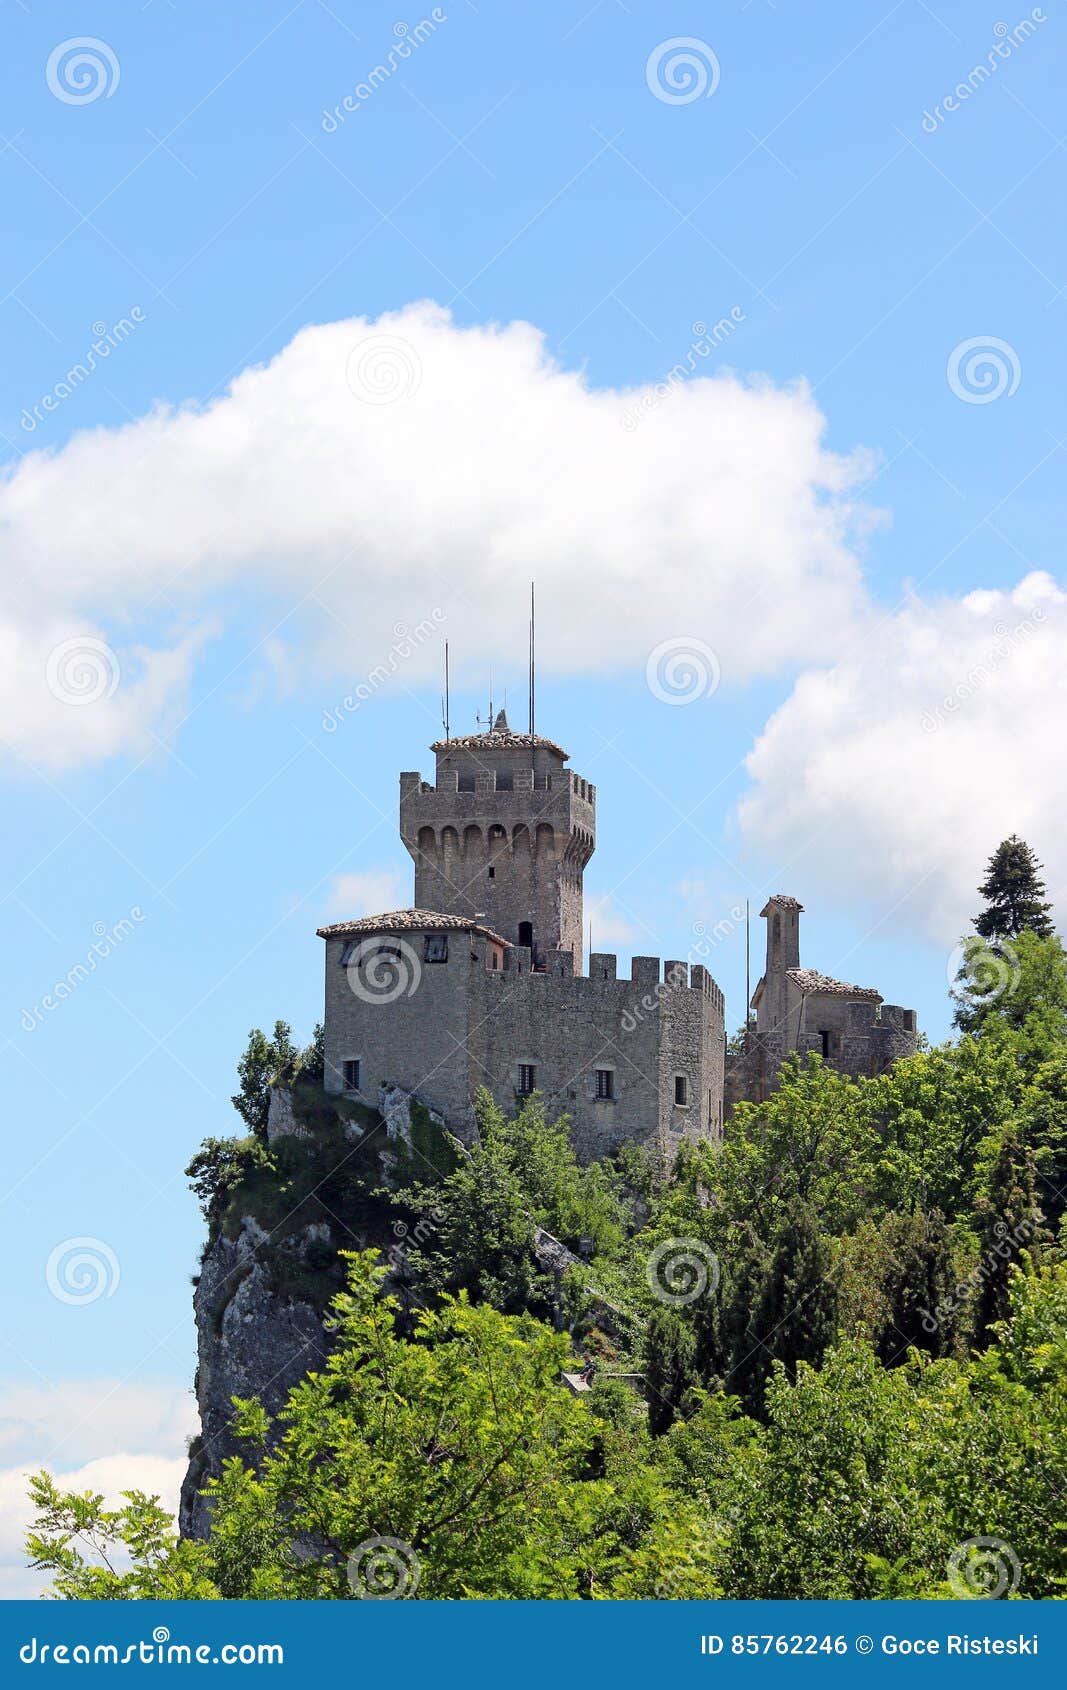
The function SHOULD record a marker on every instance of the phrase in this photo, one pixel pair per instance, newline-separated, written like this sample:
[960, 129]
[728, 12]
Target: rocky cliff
[271, 1264]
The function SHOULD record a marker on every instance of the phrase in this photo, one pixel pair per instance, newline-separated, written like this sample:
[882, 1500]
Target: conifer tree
[669, 1347]
[1014, 894]
[1008, 1219]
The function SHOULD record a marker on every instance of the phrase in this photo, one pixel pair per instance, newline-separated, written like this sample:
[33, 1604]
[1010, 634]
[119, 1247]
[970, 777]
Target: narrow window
[681, 1091]
[526, 934]
[605, 1083]
[492, 873]
[350, 1074]
[825, 1037]
[435, 948]
[526, 1079]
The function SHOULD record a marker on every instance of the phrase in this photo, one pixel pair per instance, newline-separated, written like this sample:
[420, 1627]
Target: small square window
[350, 1074]
[527, 1077]
[435, 948]
[605, 1083]
[681, 1091]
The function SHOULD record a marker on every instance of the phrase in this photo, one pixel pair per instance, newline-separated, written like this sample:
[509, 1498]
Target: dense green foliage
[850, 1318]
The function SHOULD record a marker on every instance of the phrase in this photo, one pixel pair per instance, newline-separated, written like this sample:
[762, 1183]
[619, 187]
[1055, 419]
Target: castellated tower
[503, 835]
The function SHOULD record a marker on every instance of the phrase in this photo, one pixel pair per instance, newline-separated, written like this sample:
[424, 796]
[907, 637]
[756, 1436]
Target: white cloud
[609, 924]
[723, 518]
[895, 773]
[103, 1435]
[374, 892]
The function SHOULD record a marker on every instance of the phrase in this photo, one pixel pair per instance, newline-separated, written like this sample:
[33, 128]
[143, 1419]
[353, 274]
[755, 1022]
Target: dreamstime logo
[984, 1567]
[682, 70]
[83, 670]
[383, 1569]
[982, 369]
[1005, 41]
[82, 70]
[383, 368]
[706, 340]
[979, 972]
[680, 1270]
[406, 39]
[381, 971]
[106, 940]
[408, 640]
[1007, 641]
[82, 1270]
[105, 341]
[1008, 1241]
[681, 670]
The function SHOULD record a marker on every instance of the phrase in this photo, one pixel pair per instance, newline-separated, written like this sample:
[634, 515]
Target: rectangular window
[825, 1037]
[681, 1091]
[350, 1074]
[605, 1083]
[435, 948]
[527, 1077]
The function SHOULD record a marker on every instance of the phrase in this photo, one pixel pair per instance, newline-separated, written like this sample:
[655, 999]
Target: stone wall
[466, 1025]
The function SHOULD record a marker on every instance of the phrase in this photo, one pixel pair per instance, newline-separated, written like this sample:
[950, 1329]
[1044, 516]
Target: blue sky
[849, 550]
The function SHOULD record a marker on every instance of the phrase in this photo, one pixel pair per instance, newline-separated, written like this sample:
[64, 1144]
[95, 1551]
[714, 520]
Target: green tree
[1014, 894]
[669, 1351]
[1007, 1222]
[128, 1553]
[795, 1316]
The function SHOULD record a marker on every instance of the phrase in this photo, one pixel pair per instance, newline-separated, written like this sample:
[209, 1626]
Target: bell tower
[502, 836]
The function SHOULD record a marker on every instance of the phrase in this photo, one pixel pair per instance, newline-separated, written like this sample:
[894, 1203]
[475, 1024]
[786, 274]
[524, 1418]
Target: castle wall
[416, 1039]
[645, 1030]
[465, 1025]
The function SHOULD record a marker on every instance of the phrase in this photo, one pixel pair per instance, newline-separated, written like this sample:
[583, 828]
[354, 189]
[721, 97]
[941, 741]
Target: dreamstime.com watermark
[984, 1567]
[706, 339]
[1009, 1242]
[1006, 40]
[105, 341]
[409, 1238]
[407, 40]
[982, 369]
[382, 969]
[682, 70]
[81, 70]
[682, 670]
[407, 642]
[681, 1270]
[155, 1651]
[383, 1569]
[1007, 642]
[108, 939]
[702, 947]
[82, 1270]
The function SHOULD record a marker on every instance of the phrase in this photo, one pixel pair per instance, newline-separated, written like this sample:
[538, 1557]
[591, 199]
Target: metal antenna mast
[447, 734]
[532, 657]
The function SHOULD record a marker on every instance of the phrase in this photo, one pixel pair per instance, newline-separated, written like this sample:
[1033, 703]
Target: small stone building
[800, 1010]
[480, 983]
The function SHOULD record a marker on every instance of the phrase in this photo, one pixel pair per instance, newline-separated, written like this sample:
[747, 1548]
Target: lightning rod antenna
[532, 658]
[447, 734]
[748, 966]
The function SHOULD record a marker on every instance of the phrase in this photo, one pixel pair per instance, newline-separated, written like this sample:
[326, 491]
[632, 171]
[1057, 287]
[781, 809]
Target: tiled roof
[499, 741]
[783, 902]
[407, 921]
[810, 980]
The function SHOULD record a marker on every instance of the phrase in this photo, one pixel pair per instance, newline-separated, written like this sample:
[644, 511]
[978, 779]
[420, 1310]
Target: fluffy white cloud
[895, 773]
[104, 1435]
[370, 893]
[375, 472]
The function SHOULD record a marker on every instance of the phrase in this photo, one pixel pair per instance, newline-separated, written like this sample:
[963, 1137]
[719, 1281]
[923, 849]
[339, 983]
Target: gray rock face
[252, 1340]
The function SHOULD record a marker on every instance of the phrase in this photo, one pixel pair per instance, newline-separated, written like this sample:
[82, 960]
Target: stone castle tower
[503, 836]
